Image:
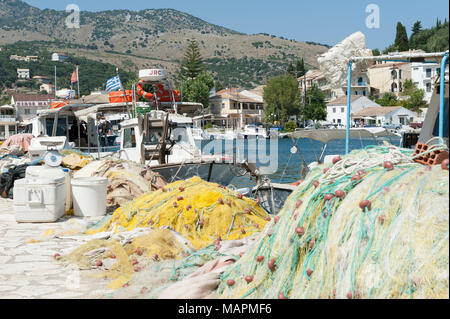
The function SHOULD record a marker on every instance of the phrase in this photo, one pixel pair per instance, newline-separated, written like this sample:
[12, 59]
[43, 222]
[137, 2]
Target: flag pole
[78, 83]
[55, 81]
[124, 94]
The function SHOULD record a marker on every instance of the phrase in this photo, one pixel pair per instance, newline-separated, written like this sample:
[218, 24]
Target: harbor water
[288, 165]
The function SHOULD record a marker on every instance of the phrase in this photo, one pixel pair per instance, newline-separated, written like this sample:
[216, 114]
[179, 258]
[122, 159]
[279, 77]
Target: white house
[23, 73]
[49, 88]
[59, 57]
[424, 75]
[384, 115]
[26, 105]
[337, 109]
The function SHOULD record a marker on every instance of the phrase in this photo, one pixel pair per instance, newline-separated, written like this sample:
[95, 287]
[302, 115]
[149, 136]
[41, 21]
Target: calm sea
[289, 165]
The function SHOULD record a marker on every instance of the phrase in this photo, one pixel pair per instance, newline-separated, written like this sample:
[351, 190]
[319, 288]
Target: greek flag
[113, 84]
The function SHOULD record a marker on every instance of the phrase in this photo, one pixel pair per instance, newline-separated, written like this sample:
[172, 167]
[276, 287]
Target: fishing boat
[252, 131]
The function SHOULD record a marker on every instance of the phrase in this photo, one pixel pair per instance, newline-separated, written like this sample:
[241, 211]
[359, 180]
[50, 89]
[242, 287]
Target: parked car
[392, 126]
[415, 125]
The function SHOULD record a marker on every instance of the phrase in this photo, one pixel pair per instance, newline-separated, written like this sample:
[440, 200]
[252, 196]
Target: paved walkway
[28, 268]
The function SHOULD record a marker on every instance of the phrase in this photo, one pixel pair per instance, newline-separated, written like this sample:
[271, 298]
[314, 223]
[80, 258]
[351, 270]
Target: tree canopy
[192, 63]
[198, 88]
[315, 108]
[401, 38]
[282, 98]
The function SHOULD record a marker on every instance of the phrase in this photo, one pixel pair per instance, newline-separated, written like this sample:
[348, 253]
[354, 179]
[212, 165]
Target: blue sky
[324, 21]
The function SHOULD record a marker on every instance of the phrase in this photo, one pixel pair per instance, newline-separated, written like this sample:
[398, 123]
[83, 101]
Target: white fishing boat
[252, 131]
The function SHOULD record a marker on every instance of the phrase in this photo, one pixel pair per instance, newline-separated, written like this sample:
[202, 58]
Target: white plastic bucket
[89, 196]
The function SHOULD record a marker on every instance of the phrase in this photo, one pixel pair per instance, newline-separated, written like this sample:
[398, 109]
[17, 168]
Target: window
[399, 74]
[339, 121]
[428, 73]
[342, 110]
[223, 106]
[364, 93]
[334, 110]
[129, 138]
[394, 74]
[356, 92]
[428, 87]
[27, 111]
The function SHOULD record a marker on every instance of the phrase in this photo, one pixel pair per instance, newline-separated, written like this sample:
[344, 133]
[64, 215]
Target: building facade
[237, 107]
[337, 109]
[318, 78]
[8, 122]
[23, 74]
[424, 75]
[59, 57]
[389, 77]
[27, 105]
[384, 115]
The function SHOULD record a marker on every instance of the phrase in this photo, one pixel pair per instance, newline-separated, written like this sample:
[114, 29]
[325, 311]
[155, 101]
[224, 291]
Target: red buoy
[325, 170]
[271, 264]
[220, 200]
[349, 295]
[315, 183]
[230, 282]
[339, 193]
[276, 219]
[298, 204]
[309, 272]
[300, 231]
[444, 164]
[282, 296]
[98, 263]
[259, 258]
[365, 203]
[248, 279]
[356, 177]
[181, 188]
[361, 172]
[328, 196]
[239, 195]
[336, 159]
[388, 165]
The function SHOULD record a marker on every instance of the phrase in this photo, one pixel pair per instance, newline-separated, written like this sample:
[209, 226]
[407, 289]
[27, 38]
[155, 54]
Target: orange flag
[74, 76]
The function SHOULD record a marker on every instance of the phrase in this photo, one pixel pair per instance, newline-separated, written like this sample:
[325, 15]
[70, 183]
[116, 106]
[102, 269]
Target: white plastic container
[89, 196]
[39, 200]
[68, 177]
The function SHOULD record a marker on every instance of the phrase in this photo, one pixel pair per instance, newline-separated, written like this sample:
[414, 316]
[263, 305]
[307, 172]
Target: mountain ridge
[156, 38]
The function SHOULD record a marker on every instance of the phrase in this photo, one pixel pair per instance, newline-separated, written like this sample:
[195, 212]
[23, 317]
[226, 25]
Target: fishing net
[324, 245]
[198, 210]
[75, 160]
[126, 180]
[118, 258]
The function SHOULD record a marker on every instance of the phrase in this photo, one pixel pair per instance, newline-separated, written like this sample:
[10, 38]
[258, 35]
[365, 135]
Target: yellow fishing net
[198, 210]
[75, 160]
[324, 245]
[119, 262]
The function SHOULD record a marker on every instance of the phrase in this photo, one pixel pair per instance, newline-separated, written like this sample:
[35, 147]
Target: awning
[327, 135]
[7, 107]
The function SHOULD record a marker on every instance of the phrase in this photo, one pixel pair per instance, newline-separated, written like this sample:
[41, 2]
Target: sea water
[288, 166]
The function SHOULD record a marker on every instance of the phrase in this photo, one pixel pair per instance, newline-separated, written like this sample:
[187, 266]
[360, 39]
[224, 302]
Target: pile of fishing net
[372, 225]
[198, 210]
[119, 256]
[126, 180]
[75, 160]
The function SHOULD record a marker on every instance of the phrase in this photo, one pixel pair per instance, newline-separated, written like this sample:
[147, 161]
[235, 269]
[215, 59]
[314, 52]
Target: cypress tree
[417, 27]
[300, 68]
[192, 63]
[401, 38]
